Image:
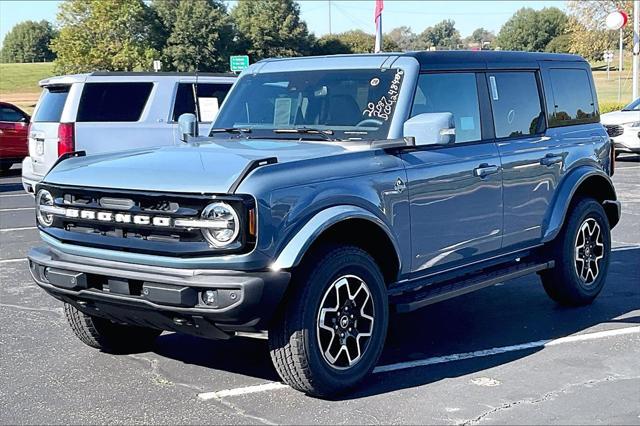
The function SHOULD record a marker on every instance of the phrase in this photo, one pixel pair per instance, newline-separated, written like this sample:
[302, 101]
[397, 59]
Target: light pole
[616, 21]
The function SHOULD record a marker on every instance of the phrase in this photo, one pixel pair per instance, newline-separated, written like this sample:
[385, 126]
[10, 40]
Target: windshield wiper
[324, 133]
[240, 130]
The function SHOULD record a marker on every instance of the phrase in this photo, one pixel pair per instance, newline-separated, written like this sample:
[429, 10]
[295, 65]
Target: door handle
[485, 169]
[551, 159]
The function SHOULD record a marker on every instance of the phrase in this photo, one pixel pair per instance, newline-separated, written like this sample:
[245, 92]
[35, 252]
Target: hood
[210, 167]
[620, 117]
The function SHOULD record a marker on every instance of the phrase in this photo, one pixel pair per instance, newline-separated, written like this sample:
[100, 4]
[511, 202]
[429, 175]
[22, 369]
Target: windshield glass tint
[51, 104]
[351, 103]
[633, 106]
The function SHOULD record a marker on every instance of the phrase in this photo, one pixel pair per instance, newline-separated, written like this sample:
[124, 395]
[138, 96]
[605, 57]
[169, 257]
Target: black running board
[434, 293]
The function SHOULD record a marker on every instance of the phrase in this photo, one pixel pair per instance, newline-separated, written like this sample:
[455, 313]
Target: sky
[345, 15]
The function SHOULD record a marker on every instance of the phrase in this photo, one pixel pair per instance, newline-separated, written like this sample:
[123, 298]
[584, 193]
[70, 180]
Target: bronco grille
[154, 223]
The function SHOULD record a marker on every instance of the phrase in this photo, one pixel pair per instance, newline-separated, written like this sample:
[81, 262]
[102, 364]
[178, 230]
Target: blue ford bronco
[329, 192]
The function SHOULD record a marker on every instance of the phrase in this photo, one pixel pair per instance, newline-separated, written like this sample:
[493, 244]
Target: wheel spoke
[345, 321]
[589, 250]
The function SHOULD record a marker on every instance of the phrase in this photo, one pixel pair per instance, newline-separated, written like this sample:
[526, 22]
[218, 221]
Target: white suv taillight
[66, 138]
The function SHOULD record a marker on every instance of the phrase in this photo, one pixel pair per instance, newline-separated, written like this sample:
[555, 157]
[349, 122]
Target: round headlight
[224, 235]
[44, 198]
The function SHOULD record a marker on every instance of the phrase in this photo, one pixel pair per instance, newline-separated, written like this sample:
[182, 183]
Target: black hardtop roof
[469, 59]
[487, 59]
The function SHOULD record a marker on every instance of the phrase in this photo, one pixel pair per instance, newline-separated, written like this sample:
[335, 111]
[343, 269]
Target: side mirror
[434, 128]
[188, 126]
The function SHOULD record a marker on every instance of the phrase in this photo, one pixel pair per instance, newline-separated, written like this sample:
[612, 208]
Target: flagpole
[378, 20]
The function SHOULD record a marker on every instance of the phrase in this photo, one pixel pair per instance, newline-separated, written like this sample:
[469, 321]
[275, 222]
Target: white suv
[115, 111]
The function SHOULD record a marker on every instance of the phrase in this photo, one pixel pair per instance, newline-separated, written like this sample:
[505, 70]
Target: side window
[10, 115]
[515, 100]
[184, 103]
[456, 93]
[113, 101]
[210, 97]
[573, 100]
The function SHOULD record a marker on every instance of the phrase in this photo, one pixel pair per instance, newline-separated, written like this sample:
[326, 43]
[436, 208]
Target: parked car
[329, 191]
[626, 124]
[116, 111]
[14, 125]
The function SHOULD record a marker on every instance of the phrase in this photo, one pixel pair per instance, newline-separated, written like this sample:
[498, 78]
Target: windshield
[346, 104]
[633, 106]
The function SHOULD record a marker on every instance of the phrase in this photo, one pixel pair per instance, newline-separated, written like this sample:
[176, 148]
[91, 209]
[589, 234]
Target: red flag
[379, 8]
[378, 19]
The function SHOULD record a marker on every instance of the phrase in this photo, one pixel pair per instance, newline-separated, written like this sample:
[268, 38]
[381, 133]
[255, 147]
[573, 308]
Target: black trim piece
[68, 155]
[248, 169]
[428, 295]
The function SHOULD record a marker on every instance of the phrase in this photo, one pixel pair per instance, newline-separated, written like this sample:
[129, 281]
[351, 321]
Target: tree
[480, 35]
[402, 37]
[200, 34]
[28, 42]
[442, 35]
[271, 28]
[114, 35]
[531, 30]
[560, 44]
[355, 41]
[589, 34]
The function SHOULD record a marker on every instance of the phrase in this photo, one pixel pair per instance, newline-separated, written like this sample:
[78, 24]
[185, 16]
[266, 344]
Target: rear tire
[108, 336]
[581, 253]
[319, 341]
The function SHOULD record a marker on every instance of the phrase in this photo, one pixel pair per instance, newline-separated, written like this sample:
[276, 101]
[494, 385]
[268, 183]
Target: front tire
[581, 253]
[331, 331]
[108, 336]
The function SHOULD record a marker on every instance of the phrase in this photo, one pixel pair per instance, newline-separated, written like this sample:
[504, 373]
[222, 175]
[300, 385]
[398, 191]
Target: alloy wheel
[345, 321]
[589, 251]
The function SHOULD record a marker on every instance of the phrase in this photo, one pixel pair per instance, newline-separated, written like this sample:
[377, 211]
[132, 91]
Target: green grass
[23, 78]
[608, 88]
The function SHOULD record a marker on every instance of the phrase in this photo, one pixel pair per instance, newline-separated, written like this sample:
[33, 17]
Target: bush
[610, 106]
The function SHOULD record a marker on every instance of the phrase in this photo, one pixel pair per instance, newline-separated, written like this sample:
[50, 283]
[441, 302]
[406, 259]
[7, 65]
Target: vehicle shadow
[11, 186]
[513, 313]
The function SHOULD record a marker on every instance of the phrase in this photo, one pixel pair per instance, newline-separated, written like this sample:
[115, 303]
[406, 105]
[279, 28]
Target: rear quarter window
[113, 101]
[573, 101]
[51, 104]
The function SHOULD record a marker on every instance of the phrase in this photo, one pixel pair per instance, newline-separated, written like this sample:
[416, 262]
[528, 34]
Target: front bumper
[629, 141]
[157, 297]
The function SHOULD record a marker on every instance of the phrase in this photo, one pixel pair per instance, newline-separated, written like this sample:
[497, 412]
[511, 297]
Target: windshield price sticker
[384, 107]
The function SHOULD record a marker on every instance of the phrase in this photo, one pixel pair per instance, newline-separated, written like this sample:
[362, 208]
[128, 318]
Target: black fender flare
[600, 186]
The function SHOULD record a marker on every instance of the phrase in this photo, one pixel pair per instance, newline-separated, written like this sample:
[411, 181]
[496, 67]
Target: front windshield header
[347, 104]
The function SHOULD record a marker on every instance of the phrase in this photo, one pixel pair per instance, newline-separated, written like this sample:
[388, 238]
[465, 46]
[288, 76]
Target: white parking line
[505, 349]
[17, 229]
[15, 195]
[17, 209]
[13, 260]
[438, 360]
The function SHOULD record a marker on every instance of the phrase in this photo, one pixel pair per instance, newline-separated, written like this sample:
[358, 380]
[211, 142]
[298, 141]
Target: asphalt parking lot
[505, 355]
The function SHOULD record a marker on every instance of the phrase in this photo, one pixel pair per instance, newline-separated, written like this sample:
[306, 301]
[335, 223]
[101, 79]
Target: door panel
[456, 214]
[531, 170]
[531, 160]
